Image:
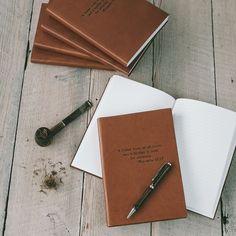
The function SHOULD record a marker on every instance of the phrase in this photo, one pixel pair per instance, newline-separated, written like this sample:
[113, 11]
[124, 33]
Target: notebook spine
[63, 51]
[82, 34]
[99, 123]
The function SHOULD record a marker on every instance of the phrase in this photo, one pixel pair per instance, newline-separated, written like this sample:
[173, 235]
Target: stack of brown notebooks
[99, 34]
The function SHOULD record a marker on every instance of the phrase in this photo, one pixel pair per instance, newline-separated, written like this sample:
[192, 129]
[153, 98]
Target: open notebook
[205, 134]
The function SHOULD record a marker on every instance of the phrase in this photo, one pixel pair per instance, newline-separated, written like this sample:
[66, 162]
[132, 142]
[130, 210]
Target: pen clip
[162, 171]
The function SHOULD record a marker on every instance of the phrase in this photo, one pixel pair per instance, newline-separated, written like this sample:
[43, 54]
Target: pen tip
[133, 210]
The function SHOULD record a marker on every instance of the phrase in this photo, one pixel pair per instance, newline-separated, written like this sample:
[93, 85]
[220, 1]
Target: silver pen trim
[133, 210]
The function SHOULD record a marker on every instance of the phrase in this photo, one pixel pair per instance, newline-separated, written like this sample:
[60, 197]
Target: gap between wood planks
[224, 215]
[27, 52]
[82, 192]
[89, 117]
[214, 66]
[213, 47]
[153, 52]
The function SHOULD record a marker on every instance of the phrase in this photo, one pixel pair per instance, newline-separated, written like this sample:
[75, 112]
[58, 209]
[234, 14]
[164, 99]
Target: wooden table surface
[194, 56]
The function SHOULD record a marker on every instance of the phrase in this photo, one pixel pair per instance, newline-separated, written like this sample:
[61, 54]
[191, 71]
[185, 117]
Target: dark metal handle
[155, 182]
[161, 173]
[145, 195]
[57, 128]
[44, 136]
[87, 105]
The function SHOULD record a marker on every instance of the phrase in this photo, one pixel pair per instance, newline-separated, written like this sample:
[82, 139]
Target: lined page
[121, 96]
[206, 140]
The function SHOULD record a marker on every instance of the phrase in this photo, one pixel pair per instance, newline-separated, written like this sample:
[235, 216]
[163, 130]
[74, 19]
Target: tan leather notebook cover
[133, 148]
[59, 31]
[43, 56]
[46, 41]
[120, 28]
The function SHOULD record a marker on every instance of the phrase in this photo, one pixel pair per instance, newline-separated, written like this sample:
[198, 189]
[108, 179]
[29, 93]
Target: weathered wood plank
[14, 25]
[183, 59]
[93, 220]
[224, 22]
[184, 53]
[45, 193]
[184, 67]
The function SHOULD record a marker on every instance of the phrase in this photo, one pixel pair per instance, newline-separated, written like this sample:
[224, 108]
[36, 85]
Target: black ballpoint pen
[155, 182]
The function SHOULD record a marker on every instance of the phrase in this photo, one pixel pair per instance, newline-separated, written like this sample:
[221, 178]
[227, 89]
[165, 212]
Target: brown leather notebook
[120, 28]
[133, 148]
[59, 31]
[48, 42]
[43, 56]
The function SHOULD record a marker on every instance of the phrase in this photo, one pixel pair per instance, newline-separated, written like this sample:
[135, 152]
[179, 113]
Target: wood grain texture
[93, 220]
[14, 25]
[224, 20]
[45, 193]
[191, 57]
[184, 52]
[184, 67]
